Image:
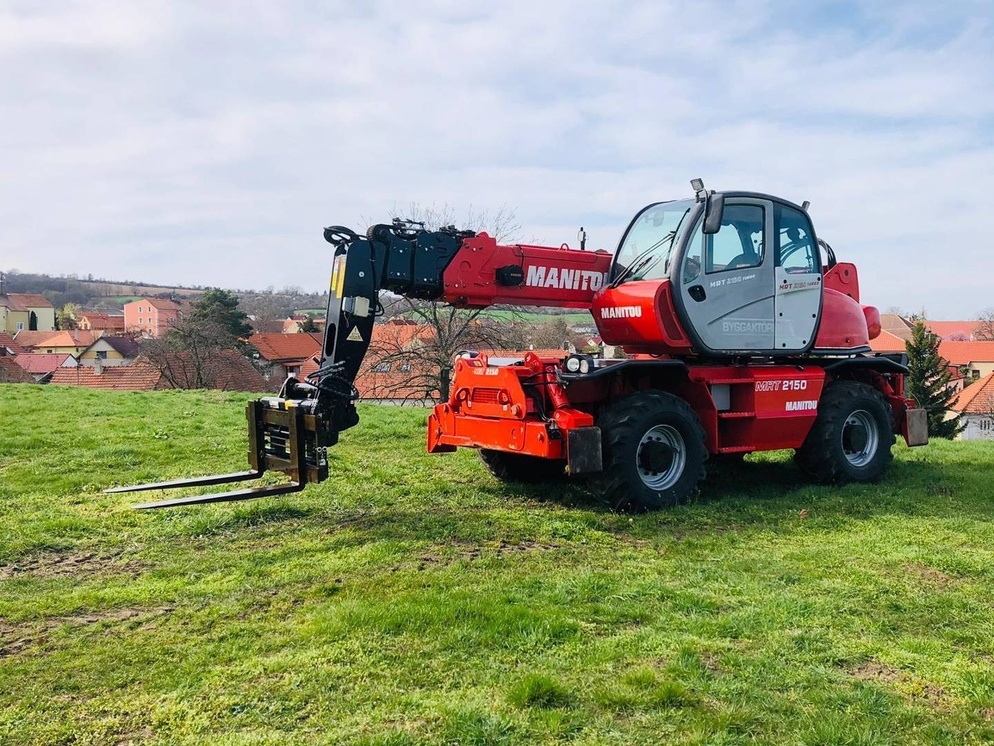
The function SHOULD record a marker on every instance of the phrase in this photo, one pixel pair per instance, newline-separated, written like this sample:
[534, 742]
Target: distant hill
[113, 294]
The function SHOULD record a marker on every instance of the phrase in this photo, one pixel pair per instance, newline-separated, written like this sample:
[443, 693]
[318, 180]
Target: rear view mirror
[713, 210]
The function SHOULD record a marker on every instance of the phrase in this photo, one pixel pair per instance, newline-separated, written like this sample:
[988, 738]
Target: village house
[975, 405]
[72, 342]
[100, 321]
[282, 355]
[25, 312]
[109, 351]
[151, 317]
[972, 360]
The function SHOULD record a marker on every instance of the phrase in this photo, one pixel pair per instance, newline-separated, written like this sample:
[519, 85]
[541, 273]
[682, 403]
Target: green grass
[414, 599]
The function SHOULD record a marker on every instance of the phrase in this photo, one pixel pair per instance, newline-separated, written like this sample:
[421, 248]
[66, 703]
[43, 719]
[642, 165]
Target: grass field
[414, 599]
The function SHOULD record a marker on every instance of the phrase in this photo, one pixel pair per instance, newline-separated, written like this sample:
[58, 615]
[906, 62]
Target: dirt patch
[930, 574]
[472, 552]
[73, 565]
[134, 738]
[906, 683]
[16, 638]
[872, 670]
[711, 663]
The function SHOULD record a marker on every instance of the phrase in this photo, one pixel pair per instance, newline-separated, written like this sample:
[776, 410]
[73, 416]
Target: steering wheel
[742, 260]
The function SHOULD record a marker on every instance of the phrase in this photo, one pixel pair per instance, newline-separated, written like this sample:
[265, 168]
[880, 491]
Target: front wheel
[653, 448]
[852, 436]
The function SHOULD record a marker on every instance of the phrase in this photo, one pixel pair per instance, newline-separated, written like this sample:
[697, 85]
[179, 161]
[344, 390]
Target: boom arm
[291, 432]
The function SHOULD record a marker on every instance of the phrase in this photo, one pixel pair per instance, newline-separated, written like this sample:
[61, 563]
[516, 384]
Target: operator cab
[744, 270]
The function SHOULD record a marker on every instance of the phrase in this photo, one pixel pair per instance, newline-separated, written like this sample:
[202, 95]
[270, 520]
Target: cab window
[738, 244]
[796, 250]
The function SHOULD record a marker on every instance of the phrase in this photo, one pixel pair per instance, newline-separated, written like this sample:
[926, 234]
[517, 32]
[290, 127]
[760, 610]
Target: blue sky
[209, 143]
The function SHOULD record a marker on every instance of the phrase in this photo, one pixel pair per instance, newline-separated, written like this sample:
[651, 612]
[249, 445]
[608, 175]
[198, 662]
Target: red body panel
[641, 317]
[843, 324]
[551, 277]
[768, 407]
[844, 279]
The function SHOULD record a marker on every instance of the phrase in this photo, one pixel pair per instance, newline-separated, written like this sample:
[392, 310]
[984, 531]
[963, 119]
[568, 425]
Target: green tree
[65, 317]
[929, 382]
[220, 307]
[308, 326]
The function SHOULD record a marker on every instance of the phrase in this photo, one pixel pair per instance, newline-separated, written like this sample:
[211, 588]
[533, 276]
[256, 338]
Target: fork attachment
[285, 435]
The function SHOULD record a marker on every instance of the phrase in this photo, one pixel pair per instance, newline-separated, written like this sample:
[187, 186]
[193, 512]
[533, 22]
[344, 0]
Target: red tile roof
[887, 342]
[12, 303]
[32, 300]
[24, 301]
[28, 339]
[977, 398]
[286, 347]
[163, 304]
[101, 320]
[73, 338]
[7, 342]
[953, 330]
[964, 353]
[896, 325]
[310, 365]
[39, 362]
[11, 372]
[138, 377]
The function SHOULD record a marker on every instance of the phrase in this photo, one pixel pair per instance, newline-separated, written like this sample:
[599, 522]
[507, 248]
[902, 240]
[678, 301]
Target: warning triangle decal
[354, 336]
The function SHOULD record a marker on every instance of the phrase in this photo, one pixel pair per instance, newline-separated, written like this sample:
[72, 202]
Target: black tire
[653, 449]
[517, 467]
[851, 438]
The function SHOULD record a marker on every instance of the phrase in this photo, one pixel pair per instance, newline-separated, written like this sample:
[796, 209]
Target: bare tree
[553, 334]
[415, 359]
[189, 355]
[984, 330]
[193, 353]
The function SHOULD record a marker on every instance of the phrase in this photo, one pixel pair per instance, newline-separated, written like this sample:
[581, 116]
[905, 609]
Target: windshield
[645, 250]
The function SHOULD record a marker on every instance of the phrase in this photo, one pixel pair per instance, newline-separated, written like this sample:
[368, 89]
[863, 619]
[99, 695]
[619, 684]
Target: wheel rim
[860, 438]
[661, 457]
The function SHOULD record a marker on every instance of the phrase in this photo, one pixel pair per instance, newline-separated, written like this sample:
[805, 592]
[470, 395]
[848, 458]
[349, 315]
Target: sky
[208, 143]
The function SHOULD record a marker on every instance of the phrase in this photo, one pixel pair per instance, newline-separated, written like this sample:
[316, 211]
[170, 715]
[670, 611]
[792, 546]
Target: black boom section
[412, 260]
[402, 258]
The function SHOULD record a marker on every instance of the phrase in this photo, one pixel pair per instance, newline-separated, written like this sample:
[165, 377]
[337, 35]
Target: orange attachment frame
[490, 408]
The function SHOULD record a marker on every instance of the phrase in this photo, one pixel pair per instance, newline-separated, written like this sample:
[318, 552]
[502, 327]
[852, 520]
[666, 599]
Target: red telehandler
[746, 335]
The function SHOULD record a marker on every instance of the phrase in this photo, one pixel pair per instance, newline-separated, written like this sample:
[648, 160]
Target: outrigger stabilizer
[291, 432]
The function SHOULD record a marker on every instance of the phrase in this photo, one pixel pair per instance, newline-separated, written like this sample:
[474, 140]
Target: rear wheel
[518, 467]
[653, 448]
[852, 436]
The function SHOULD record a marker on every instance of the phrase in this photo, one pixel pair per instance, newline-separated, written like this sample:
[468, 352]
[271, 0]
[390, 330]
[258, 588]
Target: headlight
[582, 364]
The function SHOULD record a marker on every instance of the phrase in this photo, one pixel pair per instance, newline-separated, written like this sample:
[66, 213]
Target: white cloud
[210, 144]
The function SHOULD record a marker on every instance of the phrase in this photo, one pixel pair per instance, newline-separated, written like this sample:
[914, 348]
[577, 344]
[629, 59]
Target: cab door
[798, 280]
[726, 281]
